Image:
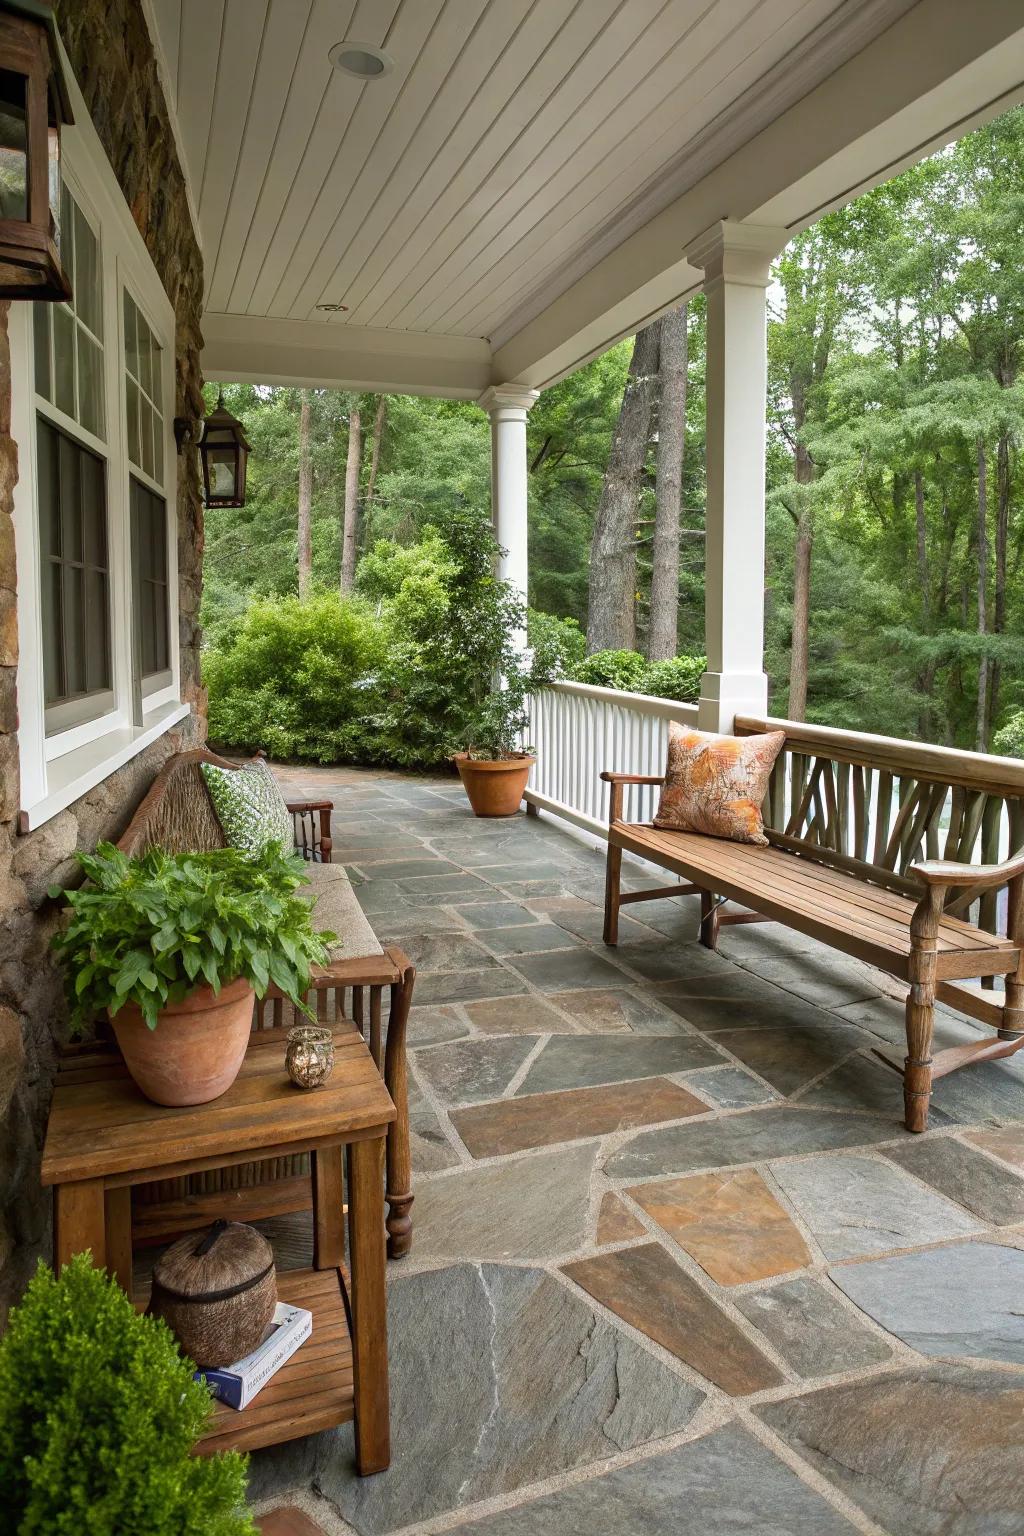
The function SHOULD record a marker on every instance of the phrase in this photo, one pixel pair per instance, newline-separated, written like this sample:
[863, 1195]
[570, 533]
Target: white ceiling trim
[168, 84]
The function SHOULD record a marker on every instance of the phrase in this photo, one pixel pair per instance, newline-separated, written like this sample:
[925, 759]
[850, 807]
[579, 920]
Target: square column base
[724, 695]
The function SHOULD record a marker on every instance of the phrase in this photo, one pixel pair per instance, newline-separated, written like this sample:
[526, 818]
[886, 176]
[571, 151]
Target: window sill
[73, 775]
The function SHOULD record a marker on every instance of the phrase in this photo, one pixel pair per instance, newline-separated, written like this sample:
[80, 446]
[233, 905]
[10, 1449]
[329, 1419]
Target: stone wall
[113, 61]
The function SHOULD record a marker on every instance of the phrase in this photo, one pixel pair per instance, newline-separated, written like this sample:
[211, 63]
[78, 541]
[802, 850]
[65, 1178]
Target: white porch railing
[577, 730]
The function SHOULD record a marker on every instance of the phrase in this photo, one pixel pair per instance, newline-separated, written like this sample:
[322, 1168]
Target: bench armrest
[313, 840]
[297, 807]
[983, 876]
[632, 778]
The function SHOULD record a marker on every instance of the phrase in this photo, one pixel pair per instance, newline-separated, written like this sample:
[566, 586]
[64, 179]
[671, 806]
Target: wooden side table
[103, 1137]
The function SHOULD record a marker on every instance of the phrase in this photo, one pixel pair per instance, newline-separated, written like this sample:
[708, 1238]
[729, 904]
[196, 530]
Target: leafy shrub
[613, 669]
[558, 645]
[294, 677]
[677, 678]
[150, 930]
[1008, 741]
[98, 1416]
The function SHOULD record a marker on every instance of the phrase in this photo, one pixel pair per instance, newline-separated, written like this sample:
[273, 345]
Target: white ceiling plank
[579, 200]
[399, 275]
[284, 34]
[167, 16]
[245, 23]
[198, 61]
[359, 111]
[486, 36]
[653, 84]
[313, 109]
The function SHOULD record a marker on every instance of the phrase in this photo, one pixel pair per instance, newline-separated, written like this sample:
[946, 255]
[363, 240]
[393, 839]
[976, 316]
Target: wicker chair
[177, 814]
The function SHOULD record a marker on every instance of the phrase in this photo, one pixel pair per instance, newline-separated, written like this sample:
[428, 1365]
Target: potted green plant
[99, 1414]
[173, 947]
[495, 766]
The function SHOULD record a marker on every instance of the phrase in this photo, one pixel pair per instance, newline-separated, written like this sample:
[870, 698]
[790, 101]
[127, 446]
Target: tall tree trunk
[663, 634]
[353, 464]
[611, 613]
[375, 440]
[926, 677]
[1002, 545]
[983, 661]
[305, 497]
[803, 470]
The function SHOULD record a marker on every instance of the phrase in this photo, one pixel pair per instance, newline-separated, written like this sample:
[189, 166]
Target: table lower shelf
[313, 1391]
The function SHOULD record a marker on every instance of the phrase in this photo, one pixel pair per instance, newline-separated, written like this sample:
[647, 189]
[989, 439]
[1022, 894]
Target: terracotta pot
[195, 1052]
[494, 789]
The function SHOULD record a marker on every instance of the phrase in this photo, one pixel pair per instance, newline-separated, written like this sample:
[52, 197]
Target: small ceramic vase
[310, 1055]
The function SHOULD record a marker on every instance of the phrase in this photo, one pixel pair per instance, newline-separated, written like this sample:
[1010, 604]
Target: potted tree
[99, 1415]
[173, 948]
[495, 766]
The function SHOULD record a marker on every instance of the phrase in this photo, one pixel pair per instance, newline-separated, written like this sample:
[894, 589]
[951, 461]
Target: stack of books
[237, 1385]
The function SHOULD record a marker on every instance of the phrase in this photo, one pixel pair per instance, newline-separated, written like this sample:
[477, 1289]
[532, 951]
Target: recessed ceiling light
[332, 309]
[362, 60]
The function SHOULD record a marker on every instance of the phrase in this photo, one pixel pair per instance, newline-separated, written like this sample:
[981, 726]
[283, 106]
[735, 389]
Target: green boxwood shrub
[98, 1417]
[677, 678]
[558, 645]
[1008, 741]
[613, 669]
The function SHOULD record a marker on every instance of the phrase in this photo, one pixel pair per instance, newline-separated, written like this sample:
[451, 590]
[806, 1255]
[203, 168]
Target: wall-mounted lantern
[34, 102]
[224, 452]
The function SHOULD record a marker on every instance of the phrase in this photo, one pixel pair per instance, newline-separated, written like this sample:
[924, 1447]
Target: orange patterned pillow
[717, 784]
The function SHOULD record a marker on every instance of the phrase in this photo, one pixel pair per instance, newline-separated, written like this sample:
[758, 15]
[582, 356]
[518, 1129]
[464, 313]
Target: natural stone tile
[529, 890]
[731, 1223]
[615, 1011]
[758, 943]
[730, 981]
[859, 1205]
[775, 1010]
[781, 1131]
[677, 917]
[732, 1088]
[433, 1026]
[964, 1300]
[1007, 1143]
[425, 863]
[392, 927]
[460, 886]
[649, 1290]
[489, 913]
[470, 1070]
[830, 982]
[990, 1093]
[982, 1094]
[526, 939]
[718, 1480]
[522, 1015]
[887, 1018]
[500, 1377]
[530, 869]
[529, 1209]
[570, 968]
[811, 1329]
[792, 1057]
[933, 1452]
[864, 1083]
[616, 1222]
[587, 922]
[436, 952]
[665, 959]
[381, 895]
[429, 1146]
[965, 1175]
[514, 1125]
[583, 1061]
[466, 986]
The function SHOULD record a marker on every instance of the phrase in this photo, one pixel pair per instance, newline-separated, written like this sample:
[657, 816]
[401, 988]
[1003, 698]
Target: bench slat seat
[865, 921]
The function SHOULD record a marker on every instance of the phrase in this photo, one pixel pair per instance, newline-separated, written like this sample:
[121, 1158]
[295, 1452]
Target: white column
[508, 406]
[736, 259]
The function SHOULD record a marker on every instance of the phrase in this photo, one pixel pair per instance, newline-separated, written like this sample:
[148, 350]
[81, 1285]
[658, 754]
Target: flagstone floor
[677, 1267]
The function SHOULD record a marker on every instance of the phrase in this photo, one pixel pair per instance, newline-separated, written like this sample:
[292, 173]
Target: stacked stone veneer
[112, 58]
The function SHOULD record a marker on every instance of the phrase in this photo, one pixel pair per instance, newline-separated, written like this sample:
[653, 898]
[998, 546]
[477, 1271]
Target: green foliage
[1008, 741]
[558, 645]
[151, 930]
[291, 677]
[98, 1416]
[613, 669]
[677, 678]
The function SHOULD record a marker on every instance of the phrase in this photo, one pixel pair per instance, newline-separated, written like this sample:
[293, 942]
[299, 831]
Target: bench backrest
[874, 805]
[177, 812]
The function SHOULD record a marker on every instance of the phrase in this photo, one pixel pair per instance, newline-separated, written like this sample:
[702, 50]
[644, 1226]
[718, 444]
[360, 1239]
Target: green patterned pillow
[249, 806]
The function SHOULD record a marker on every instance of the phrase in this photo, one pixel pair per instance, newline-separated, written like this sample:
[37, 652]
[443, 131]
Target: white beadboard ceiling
[511, 145]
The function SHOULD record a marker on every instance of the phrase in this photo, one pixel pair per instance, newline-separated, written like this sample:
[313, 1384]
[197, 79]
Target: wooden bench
[872, 843]
[177, 814]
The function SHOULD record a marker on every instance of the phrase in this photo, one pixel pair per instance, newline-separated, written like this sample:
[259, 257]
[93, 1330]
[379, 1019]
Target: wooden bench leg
[399, 1161]
[369, 1306]
[917, 1069]
[612, 891]
[710, 926]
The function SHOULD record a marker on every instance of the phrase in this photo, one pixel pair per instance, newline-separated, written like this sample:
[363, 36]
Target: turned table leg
[399, 1158]
[369, 1305]
[79, 1222]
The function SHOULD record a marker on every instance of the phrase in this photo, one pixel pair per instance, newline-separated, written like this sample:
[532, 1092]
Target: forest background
[895, 527]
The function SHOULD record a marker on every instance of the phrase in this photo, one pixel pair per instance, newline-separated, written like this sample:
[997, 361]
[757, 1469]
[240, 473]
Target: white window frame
[57, 769]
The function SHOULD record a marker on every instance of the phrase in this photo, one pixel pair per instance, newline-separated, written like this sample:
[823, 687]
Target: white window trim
[59, 769]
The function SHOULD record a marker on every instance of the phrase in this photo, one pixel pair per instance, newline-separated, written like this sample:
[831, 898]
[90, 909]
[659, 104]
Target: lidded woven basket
[217, 1292]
